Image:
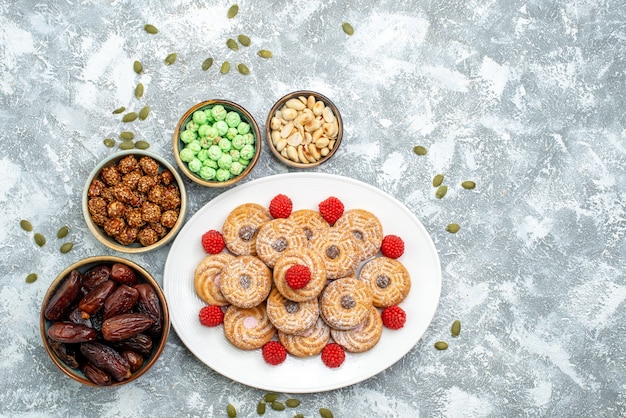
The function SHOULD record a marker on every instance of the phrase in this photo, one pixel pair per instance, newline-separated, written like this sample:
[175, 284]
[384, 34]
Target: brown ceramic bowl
[165, 235]
[304, 129]
[83, 266]
[217, 152]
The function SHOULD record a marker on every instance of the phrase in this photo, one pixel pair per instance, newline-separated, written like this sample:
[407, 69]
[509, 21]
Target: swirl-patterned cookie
[276, 236]
[365, 228]
[312, 222]
[363, 337]
[289, 316]
[246, 281]
[248, 328]
[310, 343]
[207, 278]
[345, 303]
[339, 252]
[241, 227]
[306, 257]
[388, 280]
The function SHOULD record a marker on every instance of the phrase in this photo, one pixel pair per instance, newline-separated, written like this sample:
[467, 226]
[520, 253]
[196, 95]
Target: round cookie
[246, 281]
[248, 328]
[388, 280]
[207, 278]
[363, 337]
[276, 236]
[345, 303]
[365, 228]
[311, 221]
[306, 257]
[289, 316]
[241, 227]
[339, 252]
[310, 343]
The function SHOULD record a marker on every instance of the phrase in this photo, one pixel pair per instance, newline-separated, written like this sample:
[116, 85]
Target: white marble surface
[526, 98]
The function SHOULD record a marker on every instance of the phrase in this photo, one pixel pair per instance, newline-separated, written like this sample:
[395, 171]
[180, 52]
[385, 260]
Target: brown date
[134, 359]
[95, 276]
[93, 301]
[140, 343]
[76, 317]
[124, 326]
[148, 303]
[64, 354]
[96, 375]
[121, 273]
[62, 300]
[120, 301]
[68, 332]
[107, 359]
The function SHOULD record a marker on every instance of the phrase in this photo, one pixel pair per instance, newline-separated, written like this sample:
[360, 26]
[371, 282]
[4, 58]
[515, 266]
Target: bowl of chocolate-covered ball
[104, 321]
[303, 129]
[134, 201]
[216, 143]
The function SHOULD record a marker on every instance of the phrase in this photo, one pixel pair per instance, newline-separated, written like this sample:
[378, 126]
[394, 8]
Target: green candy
[199, 117]
[238, 142]
[192, 126]
[203, 155]
[195, 165]
[225, 161]
[187, 136]
[232, 119]
[249, 138]
[235, 154]
[218, 112]
[221, 126]
[186, 155]
[209, 116]
[231, 133]
[224, 145]
[212, 133]
[243, 128]
[195, 146]
[207, 173]
[247, 152]
[222, 174]
[205, 142]
[215, 152]
[203, 129]
[210, 163]
[244, 162]
[236, 168]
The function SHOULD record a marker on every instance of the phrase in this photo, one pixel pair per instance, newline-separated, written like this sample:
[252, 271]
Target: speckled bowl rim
[134, 248]
[177, 143]
[278, 104]
[84, 265]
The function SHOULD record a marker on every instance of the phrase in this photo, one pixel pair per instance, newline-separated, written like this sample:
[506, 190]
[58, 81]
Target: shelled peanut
[304, 129]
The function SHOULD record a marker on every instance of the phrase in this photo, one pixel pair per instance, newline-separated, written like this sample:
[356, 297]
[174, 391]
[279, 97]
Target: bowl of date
[104, 321]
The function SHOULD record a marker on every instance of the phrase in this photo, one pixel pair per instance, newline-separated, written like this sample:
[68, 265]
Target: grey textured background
[524, 97]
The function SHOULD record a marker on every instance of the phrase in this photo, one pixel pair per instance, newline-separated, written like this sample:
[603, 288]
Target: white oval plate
[301, 375]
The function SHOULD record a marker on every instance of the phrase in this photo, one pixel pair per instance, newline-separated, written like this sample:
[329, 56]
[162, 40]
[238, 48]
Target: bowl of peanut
[104, 321]
[304, 129]
[134, 201]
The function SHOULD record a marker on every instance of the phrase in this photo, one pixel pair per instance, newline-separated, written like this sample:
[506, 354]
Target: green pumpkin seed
[137, 67]
[325, 413]
[437, 180]
[26, 226]
[232, 44]
[277, 406]
[129, 117]
[455, 329]
[469, 185]
[420, 150]
[298, 416]
[67, 247]
[171, 58]
[151, 29]
[231, 411]
[126, 145]
[441, 345]
[243, 69]
[441, 191]
[243, 40]
[139, 91]
[260, 408]
[109, 142]
[347, 28]
[265, 53]
[144, 112]
[232, 11]
[142, 145]
[40, 239]
[292, 403]
[270, 397]
[225, 67]
[453, 228]
[62, 232]
[31, 278]
[127, 136]
[119, 110]
[207, 63]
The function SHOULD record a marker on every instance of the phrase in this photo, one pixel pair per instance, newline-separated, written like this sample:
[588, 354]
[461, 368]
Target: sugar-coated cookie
[289, 316]
[276, 236]
[248, 328]
[306, 257]
[365, 228]
[309, 343]
[241, 227]
[363, 337]
[339, 252]
[345, 303]
[311, 221]
[246, 281]
[207, 277]
[388, 280]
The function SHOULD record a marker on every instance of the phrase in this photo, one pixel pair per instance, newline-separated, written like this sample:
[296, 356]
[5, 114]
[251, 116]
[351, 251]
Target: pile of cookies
[306, 278]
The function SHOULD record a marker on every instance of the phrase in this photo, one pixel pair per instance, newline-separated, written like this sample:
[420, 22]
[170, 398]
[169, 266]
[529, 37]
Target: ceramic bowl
[83, 266]
[216, 148]
[103, 219]
[303, 129]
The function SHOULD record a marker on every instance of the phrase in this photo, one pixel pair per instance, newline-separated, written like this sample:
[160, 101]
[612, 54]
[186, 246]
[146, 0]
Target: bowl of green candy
[216, 143]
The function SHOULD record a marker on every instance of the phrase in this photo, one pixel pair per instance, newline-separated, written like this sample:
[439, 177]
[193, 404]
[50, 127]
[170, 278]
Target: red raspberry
[393, 317]
[331, 209]
[211, 316]
[392, 246]
[213, 241]
[298, 276]
[333, 355]
[281, 206]
[274, 353]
